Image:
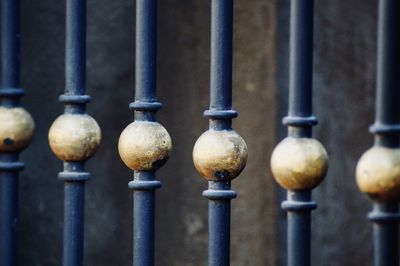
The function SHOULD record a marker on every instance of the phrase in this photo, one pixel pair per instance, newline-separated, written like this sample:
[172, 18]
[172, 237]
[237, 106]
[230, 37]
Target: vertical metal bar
[219, 222]
[10, 43]
[16, 130]
[385, 218]
[299, 227]
[300, 69]
[75, 50]
[145, 145]
[9, 214]
[221, 55]
[377, 173]
[143, 218]
[74, 200]
[220, 154]
[74, 136]
[299, 150]
[146, 49]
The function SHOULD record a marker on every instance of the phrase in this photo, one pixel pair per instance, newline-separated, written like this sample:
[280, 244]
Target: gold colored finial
[74, 137]
[299, 163]
[144, 145]
[16, 129]
[378, 173]
[220, 155]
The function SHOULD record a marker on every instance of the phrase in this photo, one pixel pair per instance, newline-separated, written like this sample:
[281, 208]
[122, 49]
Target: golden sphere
[74, 137]
[144, 145]
[299, 163]
[16, 129]
[378, 173]
[220, 155]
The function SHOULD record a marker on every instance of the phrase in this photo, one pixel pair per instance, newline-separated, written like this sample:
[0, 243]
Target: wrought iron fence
[299, 163]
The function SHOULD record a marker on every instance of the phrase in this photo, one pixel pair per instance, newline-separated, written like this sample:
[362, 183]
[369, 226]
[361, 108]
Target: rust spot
[16, 129]
[8, 141]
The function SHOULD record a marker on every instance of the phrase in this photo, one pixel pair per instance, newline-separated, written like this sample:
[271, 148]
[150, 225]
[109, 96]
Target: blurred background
[344, 84]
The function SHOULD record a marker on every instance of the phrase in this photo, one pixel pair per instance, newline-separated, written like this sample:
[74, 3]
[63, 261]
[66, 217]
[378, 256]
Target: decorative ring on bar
[145, 106]
[292, 205]
[11, 166]
[378, 128]
[220, 155]
[213, 194]
[12, 92]
[144, 146]
[220, 114]
[75, 99]
[298, 121]
[376, 216]
[144, 184]
[74, 176]
[299, 163]
[17, 128]
[74, 137]
[378, 173]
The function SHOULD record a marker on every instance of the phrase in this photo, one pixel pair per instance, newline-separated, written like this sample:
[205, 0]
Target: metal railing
[220, 154]
[145, 145]
[299, 163]
[378, 169]
[74, 136]
[16, 130]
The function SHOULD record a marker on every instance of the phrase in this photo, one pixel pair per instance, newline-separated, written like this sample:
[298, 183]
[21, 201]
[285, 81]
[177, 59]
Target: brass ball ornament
[74, 137]
[220, 155]
[16, 129]
[144, 146]
[299, 163]
[378, 173]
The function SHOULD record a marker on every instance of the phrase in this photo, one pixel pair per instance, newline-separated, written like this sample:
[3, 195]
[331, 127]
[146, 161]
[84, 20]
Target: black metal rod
[221, 54]
[301, 50]
[385, 218]
[219, 222]
[146, 49]
[10, 43]
[220, 114]
[145, 107]
[75, 52]
[9, 215]
[387, 113]
[298, 207]
[10, 165]
[75, 86]
[300, 121]
[385, 215]
[73, 222]
[144, 186]
[74, 178]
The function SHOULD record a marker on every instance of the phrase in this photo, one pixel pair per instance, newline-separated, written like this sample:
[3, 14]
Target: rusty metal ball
[299, 163]
[74, 137]
[220, 155]
[144, 145]
[16, 129]
[378, 173]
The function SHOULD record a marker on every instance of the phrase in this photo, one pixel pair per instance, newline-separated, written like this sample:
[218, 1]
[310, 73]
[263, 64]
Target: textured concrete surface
[344, 81]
